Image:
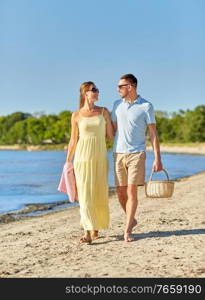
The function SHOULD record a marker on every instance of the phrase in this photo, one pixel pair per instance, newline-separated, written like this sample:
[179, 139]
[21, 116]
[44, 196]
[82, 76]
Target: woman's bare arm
[74, 138]
[114, 124]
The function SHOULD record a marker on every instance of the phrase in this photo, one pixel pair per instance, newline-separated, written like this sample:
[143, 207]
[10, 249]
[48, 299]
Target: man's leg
[131, 207]
[122, 192]
[122, 196]
[120, 178]
[135, 163]
[121, 174]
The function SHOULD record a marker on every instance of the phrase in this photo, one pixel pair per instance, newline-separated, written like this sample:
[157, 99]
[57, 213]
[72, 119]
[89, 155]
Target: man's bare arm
[157, 164]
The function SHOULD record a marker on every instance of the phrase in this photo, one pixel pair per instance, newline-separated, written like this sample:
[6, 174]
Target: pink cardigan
[68, 183]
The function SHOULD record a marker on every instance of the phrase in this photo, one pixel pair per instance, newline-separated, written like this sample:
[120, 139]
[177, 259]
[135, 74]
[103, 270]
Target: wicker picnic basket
[159, 188]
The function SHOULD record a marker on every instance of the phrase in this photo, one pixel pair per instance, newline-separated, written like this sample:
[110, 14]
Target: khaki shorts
[129, 168]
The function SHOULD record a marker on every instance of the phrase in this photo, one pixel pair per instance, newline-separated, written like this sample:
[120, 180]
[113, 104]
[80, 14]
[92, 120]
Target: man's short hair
[130, 78]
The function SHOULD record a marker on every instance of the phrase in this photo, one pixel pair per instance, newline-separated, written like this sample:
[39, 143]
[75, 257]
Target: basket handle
[165, 171]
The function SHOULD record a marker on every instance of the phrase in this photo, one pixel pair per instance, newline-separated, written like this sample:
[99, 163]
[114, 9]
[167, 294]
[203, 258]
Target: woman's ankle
[88, 233]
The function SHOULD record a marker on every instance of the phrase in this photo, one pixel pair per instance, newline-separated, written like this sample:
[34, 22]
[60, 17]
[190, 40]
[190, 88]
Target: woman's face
[92, 94]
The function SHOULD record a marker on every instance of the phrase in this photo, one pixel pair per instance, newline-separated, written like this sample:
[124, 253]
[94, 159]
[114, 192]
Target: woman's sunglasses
[94, 90]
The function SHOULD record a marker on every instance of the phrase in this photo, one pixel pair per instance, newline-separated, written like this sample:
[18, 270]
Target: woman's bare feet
[86, 238]
[94, 234]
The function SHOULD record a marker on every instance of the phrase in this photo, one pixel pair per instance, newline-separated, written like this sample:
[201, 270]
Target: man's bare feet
[94, 234]
[134, 223]
[128, 237]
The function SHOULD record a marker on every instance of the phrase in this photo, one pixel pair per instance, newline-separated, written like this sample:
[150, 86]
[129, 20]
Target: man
[131, 115]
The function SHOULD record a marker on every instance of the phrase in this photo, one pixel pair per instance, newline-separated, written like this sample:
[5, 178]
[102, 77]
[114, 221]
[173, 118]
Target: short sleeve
[113, 115]
[150, 115]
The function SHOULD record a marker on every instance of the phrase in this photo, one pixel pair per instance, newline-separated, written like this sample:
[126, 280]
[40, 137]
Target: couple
[91, 124]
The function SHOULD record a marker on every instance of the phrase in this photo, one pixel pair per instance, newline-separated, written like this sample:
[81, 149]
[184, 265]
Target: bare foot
[134, 223]
[94, 234]
[128, 236]
[86, 240]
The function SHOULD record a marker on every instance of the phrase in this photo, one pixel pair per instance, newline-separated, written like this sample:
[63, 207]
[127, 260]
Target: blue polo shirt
[132, 120]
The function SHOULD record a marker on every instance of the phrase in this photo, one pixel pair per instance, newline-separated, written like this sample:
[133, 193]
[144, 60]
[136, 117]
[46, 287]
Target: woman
[90, 125]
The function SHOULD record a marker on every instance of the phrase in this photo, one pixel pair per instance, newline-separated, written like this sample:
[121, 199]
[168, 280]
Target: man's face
[123, 88]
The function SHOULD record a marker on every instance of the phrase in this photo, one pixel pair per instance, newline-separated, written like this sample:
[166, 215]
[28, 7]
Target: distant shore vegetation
[54, 130]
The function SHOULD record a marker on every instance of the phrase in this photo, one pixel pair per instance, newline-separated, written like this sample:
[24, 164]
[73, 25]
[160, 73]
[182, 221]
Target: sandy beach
[169, 240]
[193, 148]
[198, 148]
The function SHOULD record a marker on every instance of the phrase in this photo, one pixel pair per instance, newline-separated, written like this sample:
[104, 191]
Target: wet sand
[169, 240]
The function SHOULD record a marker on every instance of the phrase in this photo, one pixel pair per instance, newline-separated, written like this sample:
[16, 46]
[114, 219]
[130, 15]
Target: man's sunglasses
[94, 90]
[121, 85]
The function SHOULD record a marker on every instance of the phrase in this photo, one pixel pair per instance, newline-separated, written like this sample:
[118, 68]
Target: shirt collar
[135, 101]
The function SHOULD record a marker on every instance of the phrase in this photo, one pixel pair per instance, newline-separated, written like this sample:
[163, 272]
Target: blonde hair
[83, 89]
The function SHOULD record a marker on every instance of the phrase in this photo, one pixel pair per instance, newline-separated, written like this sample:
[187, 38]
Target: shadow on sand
[154, 234]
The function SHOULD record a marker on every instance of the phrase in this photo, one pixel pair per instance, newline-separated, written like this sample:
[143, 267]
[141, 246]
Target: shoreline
[169, 241]
[33, 210]
[193, 148]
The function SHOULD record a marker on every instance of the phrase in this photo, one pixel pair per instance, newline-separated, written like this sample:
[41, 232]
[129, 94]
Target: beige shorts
[129, 168]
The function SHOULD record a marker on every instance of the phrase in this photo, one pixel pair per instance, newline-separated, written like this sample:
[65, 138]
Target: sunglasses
[94, 90]
[121, 85]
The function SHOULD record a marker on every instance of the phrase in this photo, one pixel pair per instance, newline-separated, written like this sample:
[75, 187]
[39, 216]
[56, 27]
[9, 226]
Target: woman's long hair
[83, 89]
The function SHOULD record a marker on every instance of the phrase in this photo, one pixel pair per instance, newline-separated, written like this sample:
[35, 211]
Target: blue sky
[49, 47]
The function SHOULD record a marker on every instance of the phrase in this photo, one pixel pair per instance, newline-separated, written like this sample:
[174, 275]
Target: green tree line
[24, 128]
[183, 126]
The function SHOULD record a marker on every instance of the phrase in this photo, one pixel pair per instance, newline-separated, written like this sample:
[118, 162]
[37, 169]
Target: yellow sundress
[91, 172]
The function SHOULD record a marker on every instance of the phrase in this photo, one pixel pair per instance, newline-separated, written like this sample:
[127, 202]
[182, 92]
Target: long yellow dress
[91, 171]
